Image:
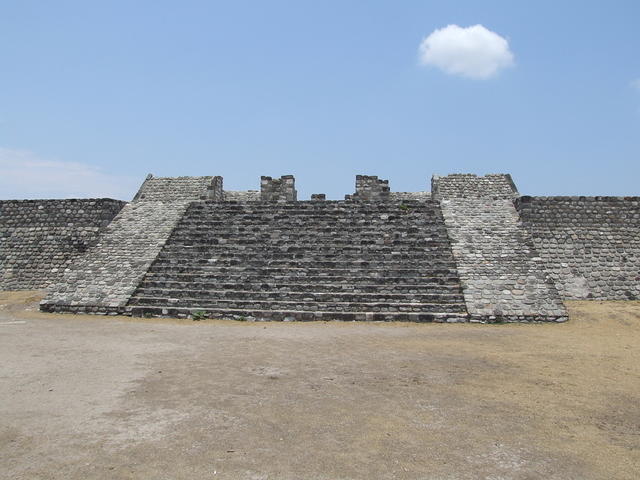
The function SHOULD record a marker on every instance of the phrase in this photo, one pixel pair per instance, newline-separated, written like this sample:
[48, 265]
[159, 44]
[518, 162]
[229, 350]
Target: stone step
[293, 245]
[355, 223]
[302, 207]
[299, 315]
[302, 276]
[365, 272]
[301, 305]
[295, 296]
[333, 233]
[347, 260]
[272, 286]
[329, 260]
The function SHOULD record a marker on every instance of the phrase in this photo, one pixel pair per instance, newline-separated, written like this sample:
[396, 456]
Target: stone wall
[40, 238]
[242, 196]
[502, 277]
[279, 190]
[411, 196]
[467, 185]
[103, 280]
[590, 245]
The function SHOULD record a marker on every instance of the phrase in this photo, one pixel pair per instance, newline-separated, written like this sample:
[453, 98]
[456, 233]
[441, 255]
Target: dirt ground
[91, 397]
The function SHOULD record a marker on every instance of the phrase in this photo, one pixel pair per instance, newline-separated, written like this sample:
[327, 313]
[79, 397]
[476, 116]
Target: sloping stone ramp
[503, 277]
[103, 280]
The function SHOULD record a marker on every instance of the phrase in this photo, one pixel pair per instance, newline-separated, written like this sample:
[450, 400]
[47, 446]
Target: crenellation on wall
[215, 191]
[278, 189]
[369, 188]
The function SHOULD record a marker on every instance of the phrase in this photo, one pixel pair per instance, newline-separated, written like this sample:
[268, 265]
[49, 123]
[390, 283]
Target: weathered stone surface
[590, 245]
[278, 190]
[369, 188]
[104, 279]
[172, 189]
[502, 277]
[242, 196]
[413, 196]
[40, 238]
[475, 251]
[306, 261]
[467, 185]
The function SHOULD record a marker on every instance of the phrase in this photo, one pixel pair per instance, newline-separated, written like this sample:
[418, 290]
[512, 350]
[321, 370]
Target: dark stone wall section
[40, 238]
[590, 245]
[370, 188]
[311, 260]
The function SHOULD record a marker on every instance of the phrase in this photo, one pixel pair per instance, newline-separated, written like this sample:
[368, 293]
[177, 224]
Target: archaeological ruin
[471, 249]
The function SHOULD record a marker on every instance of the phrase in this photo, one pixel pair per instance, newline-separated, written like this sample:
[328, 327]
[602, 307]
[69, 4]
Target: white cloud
[23, 174]
[474, 52]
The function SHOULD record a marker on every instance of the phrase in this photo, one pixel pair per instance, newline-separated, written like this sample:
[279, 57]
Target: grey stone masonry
[472, 249]
[502, 277]
[172, 189]
[414, 196]
[40, 238]
[242, 196]
[369, 188]
[103, 280]
[590, 245]
[280, 190]
[307, 260]
[466, 185]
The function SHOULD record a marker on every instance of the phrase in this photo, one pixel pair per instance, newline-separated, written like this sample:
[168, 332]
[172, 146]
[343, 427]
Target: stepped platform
[332, 260]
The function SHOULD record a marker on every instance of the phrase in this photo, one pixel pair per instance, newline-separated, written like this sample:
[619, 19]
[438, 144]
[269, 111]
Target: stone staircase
[305, 261]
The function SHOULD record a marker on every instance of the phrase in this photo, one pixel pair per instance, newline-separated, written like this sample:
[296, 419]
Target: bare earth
[85, 397]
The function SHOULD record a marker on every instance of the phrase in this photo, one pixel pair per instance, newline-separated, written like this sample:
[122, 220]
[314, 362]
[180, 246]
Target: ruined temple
[471, 249]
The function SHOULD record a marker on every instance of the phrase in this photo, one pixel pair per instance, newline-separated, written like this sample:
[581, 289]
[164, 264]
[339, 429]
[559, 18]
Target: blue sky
[95, 95]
